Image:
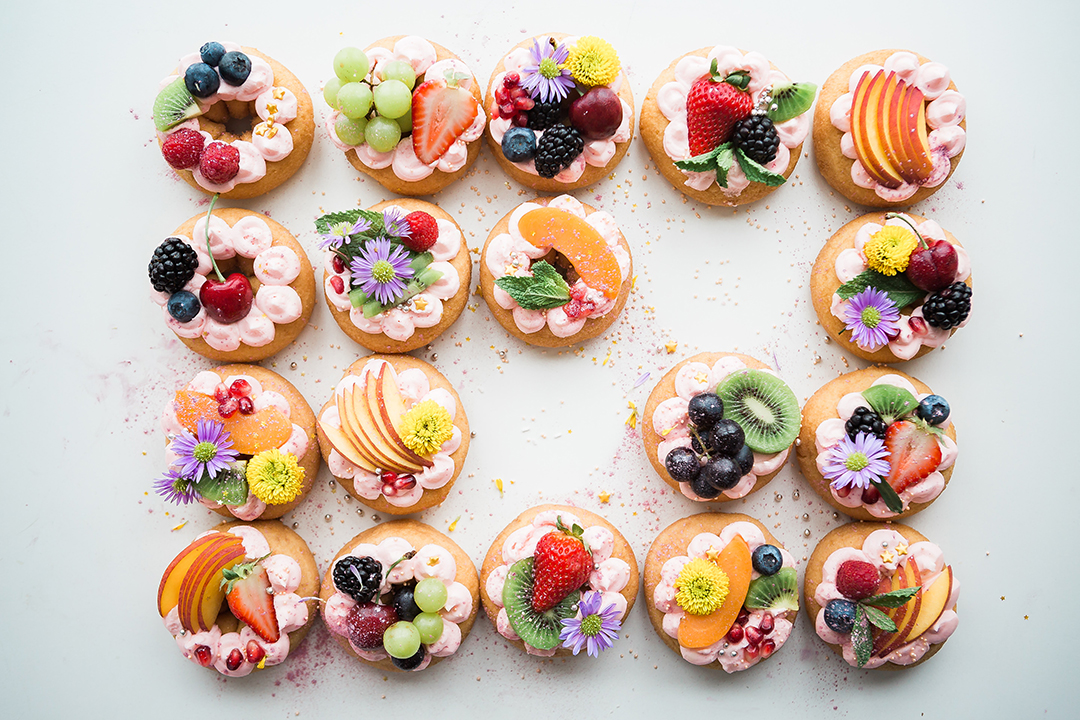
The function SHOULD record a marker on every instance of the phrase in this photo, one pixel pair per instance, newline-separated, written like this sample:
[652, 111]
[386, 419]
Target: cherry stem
[906, 221]
[209, 214]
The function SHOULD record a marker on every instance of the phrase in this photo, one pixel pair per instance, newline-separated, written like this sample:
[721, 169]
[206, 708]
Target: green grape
[399, 70]
[354, 100]
[401, 640]
[351, 64]
[405, 121]
[330, 91]
[429, 625]
[393, 99]
[430, 595]
[382, 134]
[350, 132]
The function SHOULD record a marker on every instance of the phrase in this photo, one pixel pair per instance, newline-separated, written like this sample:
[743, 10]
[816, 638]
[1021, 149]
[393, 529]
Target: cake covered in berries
[405, 112]
[400, 596]
[241, 442]
[233, 285]
[890, 128]
[725, 127]
[877, 444]
[395, 276]
[394, 434]
[239, 598]
[558, 580]
[881, 595]
[555, 271]
[890, 287]
[721, 589]
[233, 121]
[719, 426]
[561, 114]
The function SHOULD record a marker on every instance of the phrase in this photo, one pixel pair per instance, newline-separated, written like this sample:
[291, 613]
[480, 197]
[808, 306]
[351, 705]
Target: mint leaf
[879, 619]
[544, 290]
[892, 500]
[756, 172]
[725, 158]
[897, 287]
[892, 599]
[324, 223]
[890, 402]
[800, 102]
[703, 162]
[860, 636]
[228, 488]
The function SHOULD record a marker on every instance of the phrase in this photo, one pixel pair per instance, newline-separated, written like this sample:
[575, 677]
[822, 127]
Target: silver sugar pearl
[360, 512]
[806, 532]
[328, 517]
[434, 357]
[835, 515]
[292, 365]
[331, 483]
[472, 434]
[779, 497]
[806, 516]
[794, 494]
[295, 525]
[375, 518]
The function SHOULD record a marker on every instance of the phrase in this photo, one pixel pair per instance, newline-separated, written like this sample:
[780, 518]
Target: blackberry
[556, 149]
[173, 264]
[358, 577]
[865, 420]
[756, 136]
[948, 308]
[543, 115]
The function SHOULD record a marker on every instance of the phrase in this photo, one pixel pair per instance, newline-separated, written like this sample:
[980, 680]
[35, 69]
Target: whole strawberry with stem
[932, 266]
[562, 564]
[713, 106]
[247, 590]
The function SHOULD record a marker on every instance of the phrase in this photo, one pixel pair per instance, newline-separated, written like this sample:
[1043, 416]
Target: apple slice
[700, 631]
[391, 407]
[169, 588]
[340, 441]
[200, 593]
[934, 598]
[366, 407]
[350, 423]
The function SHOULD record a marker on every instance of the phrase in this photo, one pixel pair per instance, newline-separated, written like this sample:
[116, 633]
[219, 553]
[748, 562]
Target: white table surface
[87, 364]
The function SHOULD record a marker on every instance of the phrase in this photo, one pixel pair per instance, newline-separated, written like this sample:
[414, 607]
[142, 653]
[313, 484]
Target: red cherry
[767, 623]
[202, 655]
[221, 392]
[934, 267]
[227, 302]
[240, 388]
[229, 407]
[245, 406]
[255, 652]
[235, 659]
[597, 114]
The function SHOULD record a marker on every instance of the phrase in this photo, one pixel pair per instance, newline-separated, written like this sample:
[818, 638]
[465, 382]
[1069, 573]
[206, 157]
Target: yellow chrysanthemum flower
[889, 249]
[593, 62]
[701, 587]
[425, 427]
[275, 477]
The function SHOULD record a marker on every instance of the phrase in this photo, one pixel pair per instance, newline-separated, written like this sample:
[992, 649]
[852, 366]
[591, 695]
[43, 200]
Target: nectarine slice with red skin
[579, 241]
[934, 598]
[169, 588]
[701, 631]
[197, 593]
[264, 430]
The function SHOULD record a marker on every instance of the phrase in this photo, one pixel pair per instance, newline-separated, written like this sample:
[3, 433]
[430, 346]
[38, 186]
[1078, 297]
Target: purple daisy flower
[394, 222]
[856, 463]
[381, 271]
[210, 450]
[597, 629]
[175, 488]
[340, 232]
[872, 319]
[546, 79]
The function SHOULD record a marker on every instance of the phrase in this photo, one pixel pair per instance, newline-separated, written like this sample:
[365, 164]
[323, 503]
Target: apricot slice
[579, 241]
[701, 631]
[266, 429]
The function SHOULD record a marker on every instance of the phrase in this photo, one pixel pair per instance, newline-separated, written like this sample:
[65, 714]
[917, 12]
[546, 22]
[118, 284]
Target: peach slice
[266, 429]
[934, 598]
[906, 576]
[579, 241]
[700, 631]
[169, 588]
[200, 596]
[868, 128]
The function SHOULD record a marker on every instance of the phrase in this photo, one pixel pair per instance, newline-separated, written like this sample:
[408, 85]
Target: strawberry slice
[440, 114]
[913, 454]
[248, 594]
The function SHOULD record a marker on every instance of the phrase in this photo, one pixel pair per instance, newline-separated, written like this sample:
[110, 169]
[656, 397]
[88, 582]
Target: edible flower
[425, 427]
[340, 233]
[701, 587]
[872, 319]
[888, 251]
[381, 270]
[394, 222]
[593, 62]
[210, 450]
[856, 463]
[546, 78]
[275, 477]
[175, 488]
[597, 629]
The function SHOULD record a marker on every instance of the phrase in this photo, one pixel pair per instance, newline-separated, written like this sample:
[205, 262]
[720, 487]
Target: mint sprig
[867, 615]
[861, 641]
[544, 290]
[324, 223]
[879, 619]
[756, 172]
[892, 599]
[899, 289]
[722, 158]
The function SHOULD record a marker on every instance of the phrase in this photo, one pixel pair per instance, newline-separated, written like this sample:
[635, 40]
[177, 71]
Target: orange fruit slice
[264, 430]
[701, 631]
[579, 241]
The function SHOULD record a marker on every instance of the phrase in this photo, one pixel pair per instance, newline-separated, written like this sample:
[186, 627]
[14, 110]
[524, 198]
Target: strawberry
[713, 106]
[441, 112]
[913, 454]
[561, 565]
[857, 579]
[247, 591]
[423, 231]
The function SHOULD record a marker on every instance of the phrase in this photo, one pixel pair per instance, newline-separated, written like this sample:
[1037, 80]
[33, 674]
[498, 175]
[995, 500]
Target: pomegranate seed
[255, 652]
[404, 482]
[525, 103]
[240, 388]
[918, 325]
[388, 477]
[506, 110]
[767, 623]
[870, 495]
[742, 617]
[843, 492]
[202, 655]
[502, 95]
[511, 79]
[221, 392]
[753, 635]
[338, 264]
[572, 309]
[735, 634]
[521, 119]
[229, 407]
[235, 659]
[750, 652]
[338, 284]
[518, 92]
[767, 648]
[246, 406]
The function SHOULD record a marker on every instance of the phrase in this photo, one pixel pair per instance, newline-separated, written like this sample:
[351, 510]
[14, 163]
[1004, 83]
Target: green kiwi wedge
[774, 593]
[764, 407]
[791, 100]
[173, 105]
[541, 630]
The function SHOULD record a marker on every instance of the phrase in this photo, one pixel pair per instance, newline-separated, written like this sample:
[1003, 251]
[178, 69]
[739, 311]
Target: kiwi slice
[791, 100]
[764, 407]
[541, 630]
[173, 105]
[774, 593]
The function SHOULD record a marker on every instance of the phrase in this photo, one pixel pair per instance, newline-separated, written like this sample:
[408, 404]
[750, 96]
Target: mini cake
[233, 121]
[400, 596]
[234, 285]
[241, 442]
[719, 426]
[876, 444]
[881, 595]
[889, 287]
[239, 598]
[561, 112]
[889, 128]
[558, 580]
[556, 272]
[395, 276]
[394, 434]
[725, 127]
[406, 112]
[721, 589]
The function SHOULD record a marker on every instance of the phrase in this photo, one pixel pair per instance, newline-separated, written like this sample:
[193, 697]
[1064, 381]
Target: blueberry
[702, 488]
[933, 409]
[682, 464]
[405, 604]
[705, 410]
[212, 52]
[410, 663]
[767, 559]
[745, 459]
[840, 615]
[721, 472]
[519, 144]
[183, 306]
[727, 438]
[234, 68]
[201, 80]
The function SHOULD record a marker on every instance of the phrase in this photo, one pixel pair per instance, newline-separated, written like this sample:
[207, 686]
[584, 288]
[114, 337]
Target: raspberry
[183, 148]
[857, 579]
[423, 231]
[219, 162]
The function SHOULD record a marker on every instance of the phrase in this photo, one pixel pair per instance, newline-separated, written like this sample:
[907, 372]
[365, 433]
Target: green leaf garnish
[756, 172]
[324, 223]
[861, 641]
[897, 287]
[892, 599]
[704, 162]
[228, 488]
[890, 402]
[879, 619]
[892, 500]
[544, 290]
[725, 158]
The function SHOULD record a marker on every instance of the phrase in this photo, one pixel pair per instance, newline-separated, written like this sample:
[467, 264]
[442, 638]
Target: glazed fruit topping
[183, 148]
[857, 579]
[423, 231]
[562, 565]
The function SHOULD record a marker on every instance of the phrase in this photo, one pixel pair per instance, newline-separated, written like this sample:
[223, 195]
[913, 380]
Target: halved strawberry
[440, 114]
[248, 593]
[913, 454]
